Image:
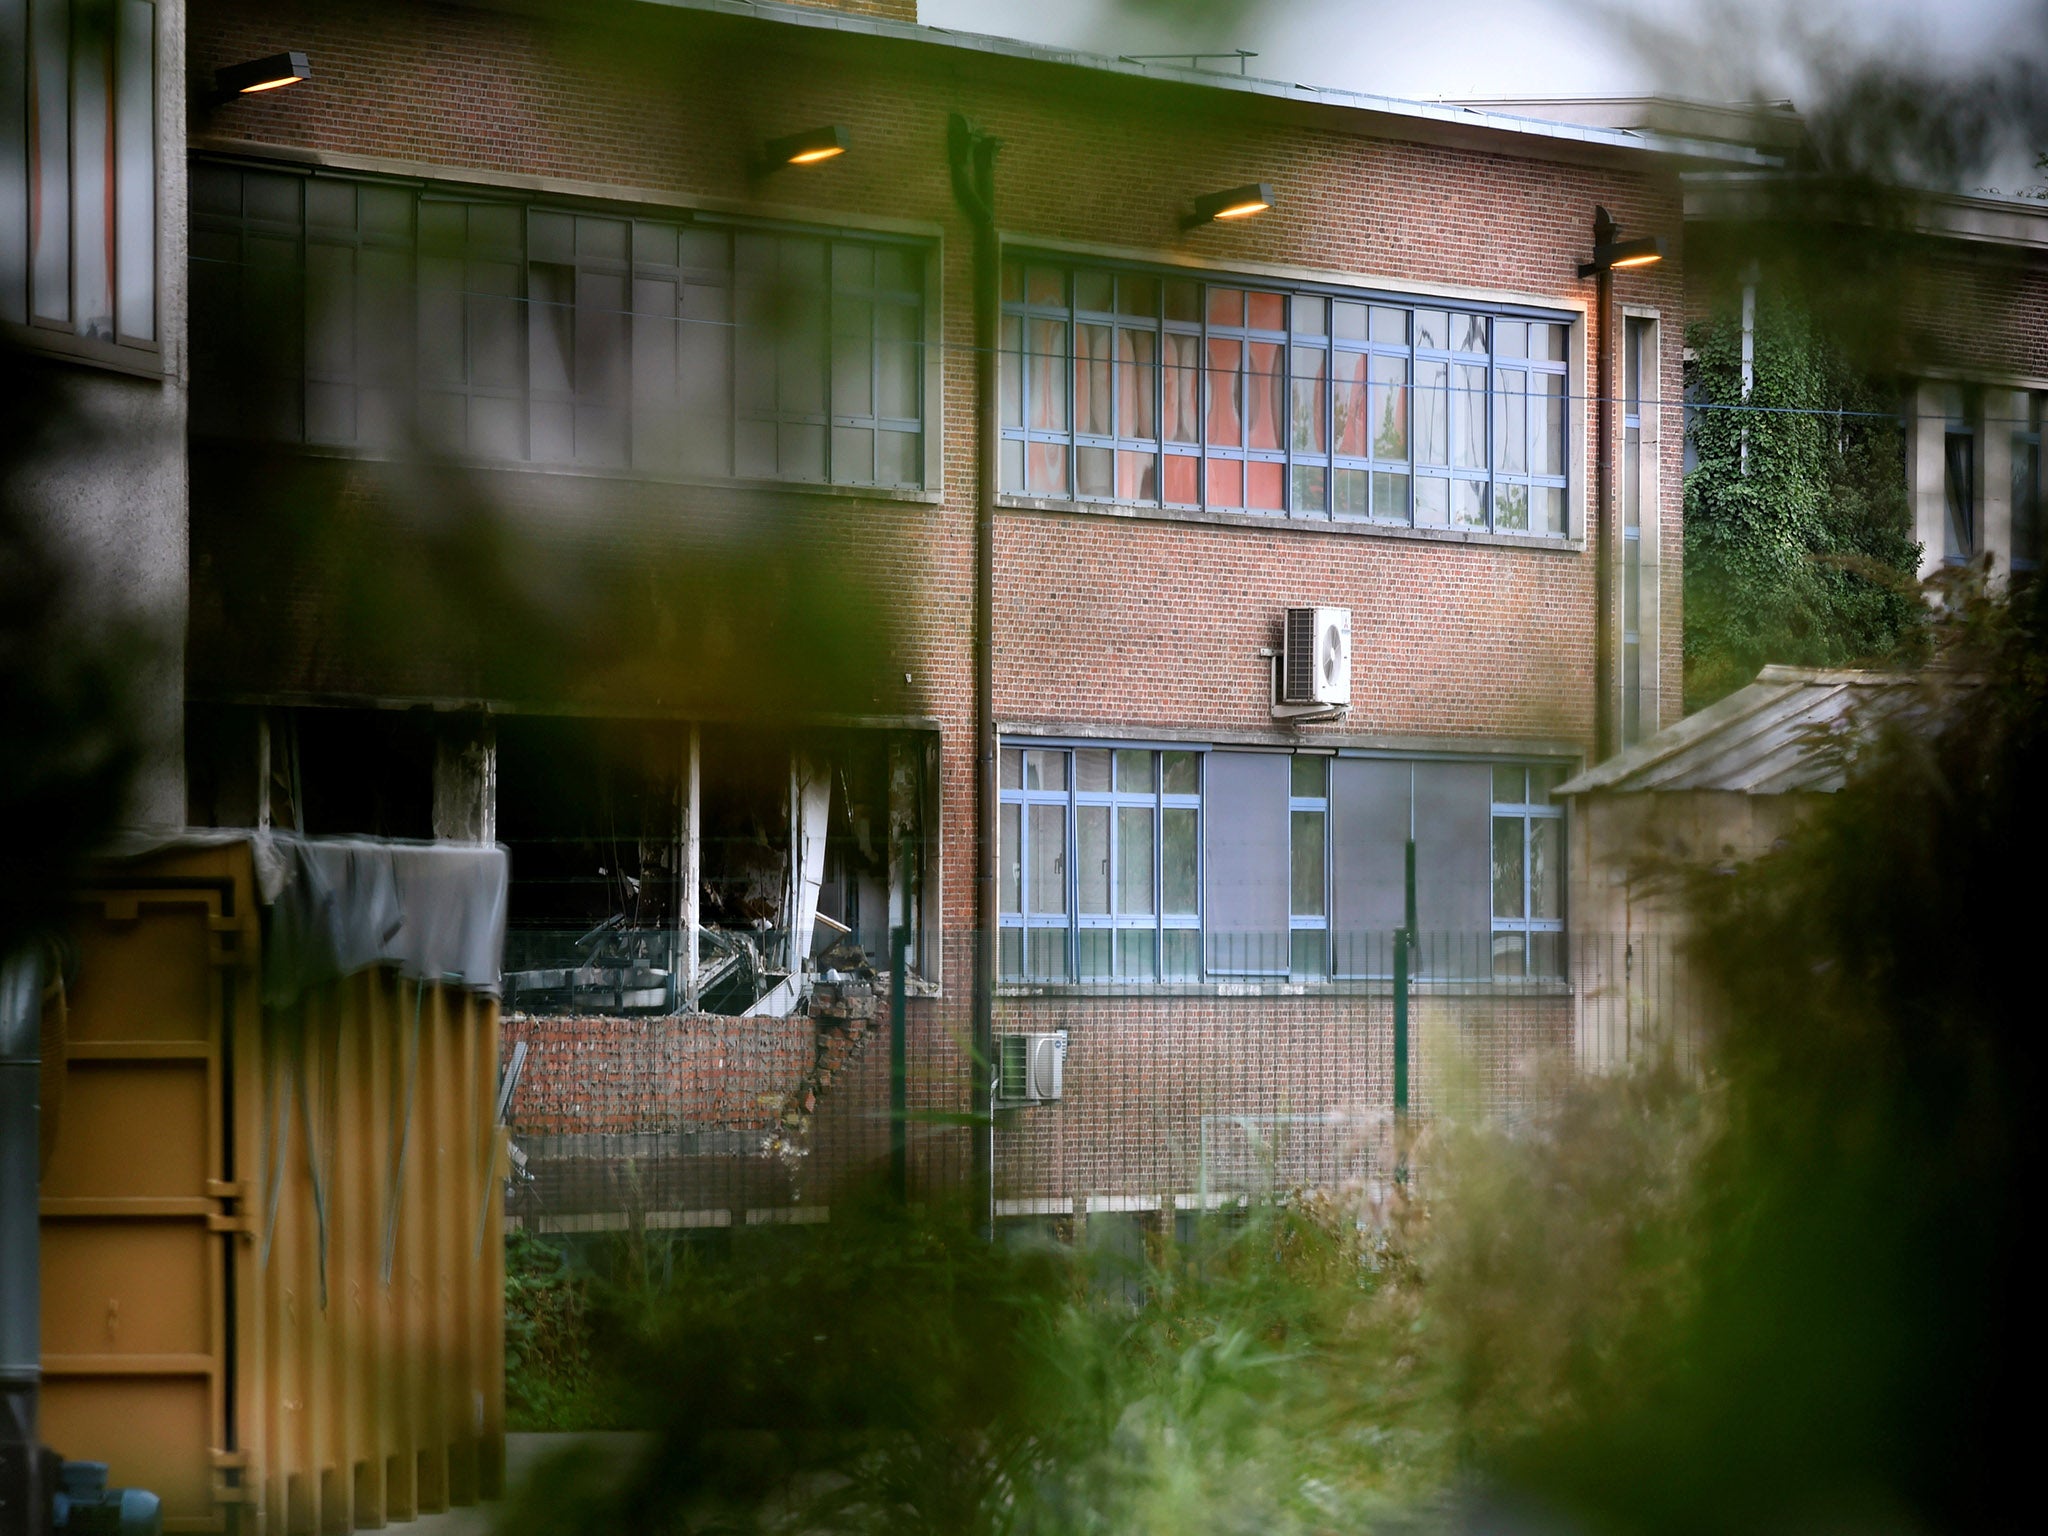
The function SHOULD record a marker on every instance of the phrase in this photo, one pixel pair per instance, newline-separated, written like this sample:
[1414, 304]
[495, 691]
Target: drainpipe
[21, 1502]
[971, 156]
[1604, 635]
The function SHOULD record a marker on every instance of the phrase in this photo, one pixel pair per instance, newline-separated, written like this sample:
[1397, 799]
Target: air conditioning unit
[1029, 1067]
[1315, 657]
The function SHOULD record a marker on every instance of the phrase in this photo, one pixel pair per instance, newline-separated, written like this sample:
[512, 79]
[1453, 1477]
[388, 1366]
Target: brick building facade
[679, 602]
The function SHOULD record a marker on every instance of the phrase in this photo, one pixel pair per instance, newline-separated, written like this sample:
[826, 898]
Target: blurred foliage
[551, 1379]
[65, 671]
[1798, 533]
[1866, 1330]
[1287, 1367]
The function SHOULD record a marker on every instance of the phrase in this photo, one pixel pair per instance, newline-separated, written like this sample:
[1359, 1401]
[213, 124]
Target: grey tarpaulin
[432, 911]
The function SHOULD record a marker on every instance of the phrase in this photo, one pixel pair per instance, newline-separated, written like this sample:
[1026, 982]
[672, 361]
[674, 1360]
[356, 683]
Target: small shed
[1718, 787]
[272, 1207]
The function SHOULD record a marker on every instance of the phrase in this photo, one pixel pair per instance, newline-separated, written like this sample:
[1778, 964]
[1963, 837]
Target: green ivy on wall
[1799, 547]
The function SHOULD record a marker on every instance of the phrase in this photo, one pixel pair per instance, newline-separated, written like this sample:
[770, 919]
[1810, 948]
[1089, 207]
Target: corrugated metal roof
[1794, 728]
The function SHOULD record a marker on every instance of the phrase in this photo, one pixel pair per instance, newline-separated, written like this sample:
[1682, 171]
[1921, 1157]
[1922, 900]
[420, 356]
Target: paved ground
[522, 1454]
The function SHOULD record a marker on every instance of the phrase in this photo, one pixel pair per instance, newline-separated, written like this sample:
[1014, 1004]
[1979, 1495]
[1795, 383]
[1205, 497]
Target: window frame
[2030, 491]
[133, 278]
[1023, 308]
[671, 401]
[1528, 811]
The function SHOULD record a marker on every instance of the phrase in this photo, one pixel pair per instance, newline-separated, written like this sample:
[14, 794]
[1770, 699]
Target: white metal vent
[1315, 657]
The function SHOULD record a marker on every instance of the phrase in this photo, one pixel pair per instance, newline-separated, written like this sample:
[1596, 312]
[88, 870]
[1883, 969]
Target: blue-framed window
[1308, 867]
[1141, 387]
[1101, 873]
[1528, 871]
[1635, 338]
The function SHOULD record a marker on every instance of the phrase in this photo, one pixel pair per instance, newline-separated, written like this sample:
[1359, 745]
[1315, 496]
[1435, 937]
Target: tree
[1798, 542]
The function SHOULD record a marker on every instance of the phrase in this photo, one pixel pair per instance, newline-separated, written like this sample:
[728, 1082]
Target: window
[78, 175]
[1959, 481]
[1164, 390]
[1528, 872]
[355, 312]
[2026, 485]
[1139, 864]
[1112, 837]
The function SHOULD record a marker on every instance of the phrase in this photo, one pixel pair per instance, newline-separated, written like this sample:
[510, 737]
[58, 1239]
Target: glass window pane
[1511, 507]
[1542, 781]
[1013, 465]
[1047, 881]
[1546, 509]
[1432, 502]
[1508, 784]
[1305, 864]
[1432, 329]
[1010, 954]
[1390, 325]
[1092, 291]
[1311, 488]
[1468, 333]
[1546, 866]
[1511, 423]
[1347, 321]
[1390, 408]
[1091, 380]
[1266, 312]
[1265, 395]
[1224, 482]
[1045, 770]
[1183, 299]
[1265, 487]
[1507, 866]
[1046, 285]
[1013, 282]
[1390, 498]
[1226, 398]
[1047, 387]
[1308, 777]
[1091, 769]
[1012, 761]
[1137, 476]
[1047, 954]
[1226, 306]
[1310, 314]
[1183, 480]
[1179, 772]
[1011, 870]
[1178, 887]
[1011, 355]
[1135, 953]
[1091, 867]
[1137, 379]
[1468, 503]
[1508, 956]
[1308, 406]
[1432, 412]
[1093, 948]
[1511, 338]
[1548, 455]
[135, 170]
[1180, 955]
[1546, 954]
[1045, 469]
[1094, 472]
[1350, 495]
[1348, 411]
[1134, 860]
[1468, 416]
[1183, 393]
[1134, 770]
[92, 196]
[1137, 294]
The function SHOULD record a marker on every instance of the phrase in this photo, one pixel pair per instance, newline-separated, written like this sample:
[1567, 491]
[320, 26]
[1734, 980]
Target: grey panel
[1244, 822]
[1454, 850]
[1368, 841]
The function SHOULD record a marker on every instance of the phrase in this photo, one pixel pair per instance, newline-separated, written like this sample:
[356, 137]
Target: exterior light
[1610, 254]
[1237, 203]
[826, 143]
[280, 69]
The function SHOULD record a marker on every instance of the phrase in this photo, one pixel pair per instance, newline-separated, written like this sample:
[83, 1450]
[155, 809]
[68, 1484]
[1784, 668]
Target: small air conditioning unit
[1029, 1068]
[1315, 657]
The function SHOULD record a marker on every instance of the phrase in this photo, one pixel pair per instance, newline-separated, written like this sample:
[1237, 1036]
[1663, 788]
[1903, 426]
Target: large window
[361, 313]
[1155, 389]
[1959, 478]
[78, 175]
[1141, 864]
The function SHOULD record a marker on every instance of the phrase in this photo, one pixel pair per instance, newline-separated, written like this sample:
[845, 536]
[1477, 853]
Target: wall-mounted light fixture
[258, 75]
[1610, 254]
[1237, 203]
[808, 148]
